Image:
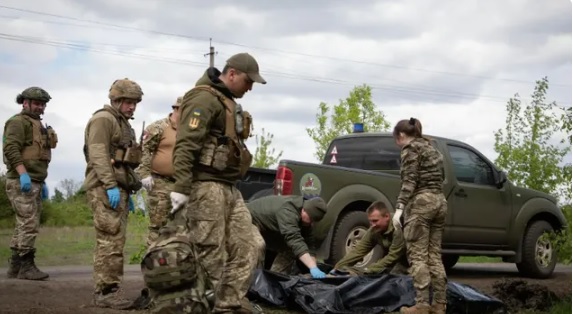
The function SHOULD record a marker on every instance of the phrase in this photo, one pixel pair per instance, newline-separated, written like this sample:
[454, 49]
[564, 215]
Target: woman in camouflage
[424, 205]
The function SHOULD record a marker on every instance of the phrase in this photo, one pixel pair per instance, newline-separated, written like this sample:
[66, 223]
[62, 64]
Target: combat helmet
[33, 93]
[125, 88]
[178, 102]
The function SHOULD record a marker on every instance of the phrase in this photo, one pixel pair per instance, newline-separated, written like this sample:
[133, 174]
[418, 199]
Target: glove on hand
[25, 182]
[113, 196]
[45, 192]
[317, 273]
[147, 183]
[130, 204]
[177, 201]
[396, 219]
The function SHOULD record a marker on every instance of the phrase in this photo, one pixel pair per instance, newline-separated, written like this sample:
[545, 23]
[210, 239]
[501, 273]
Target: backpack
[176, 280]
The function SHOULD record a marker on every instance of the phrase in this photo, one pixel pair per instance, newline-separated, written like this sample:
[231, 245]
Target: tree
[69, 187]
[357, 107]
[525, 146]
[58, 196]
[264, 154]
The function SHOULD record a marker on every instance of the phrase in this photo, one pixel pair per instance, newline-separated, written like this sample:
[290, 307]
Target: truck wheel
[261, 193]
[449, 261]
[349, 230]
[538, 257]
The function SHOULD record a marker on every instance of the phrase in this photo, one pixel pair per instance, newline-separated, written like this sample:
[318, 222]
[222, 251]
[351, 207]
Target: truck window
[470, 167]
[368, 153]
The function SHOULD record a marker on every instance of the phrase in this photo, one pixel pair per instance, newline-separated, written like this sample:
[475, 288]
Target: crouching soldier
[27, 147]
[285, 222]
[382, 233]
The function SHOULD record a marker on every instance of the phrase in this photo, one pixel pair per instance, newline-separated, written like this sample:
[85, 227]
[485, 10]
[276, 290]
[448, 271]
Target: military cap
[246, 63]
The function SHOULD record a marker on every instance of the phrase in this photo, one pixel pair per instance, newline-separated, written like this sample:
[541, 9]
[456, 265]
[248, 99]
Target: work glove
[317, 273]
[25, 182]
[130, 204]
[177, 201]
[45, 192]
[396, 219]
[147, 183]
[113, 196]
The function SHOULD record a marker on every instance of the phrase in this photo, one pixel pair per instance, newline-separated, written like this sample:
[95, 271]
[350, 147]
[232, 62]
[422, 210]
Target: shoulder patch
[194, 123]
[197, 112]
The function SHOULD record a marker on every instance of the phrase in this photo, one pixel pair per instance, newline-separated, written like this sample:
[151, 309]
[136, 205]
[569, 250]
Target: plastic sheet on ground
[359, 294]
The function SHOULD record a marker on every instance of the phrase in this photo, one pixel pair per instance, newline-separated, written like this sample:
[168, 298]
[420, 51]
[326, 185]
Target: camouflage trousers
[28, 208]
[284, 262]
[227, 242]
[159, 202]
[110, 229]
[398, 269]
[424, 223]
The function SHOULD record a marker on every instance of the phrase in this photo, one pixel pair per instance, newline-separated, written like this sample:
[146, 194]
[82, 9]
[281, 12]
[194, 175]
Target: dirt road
[69, 288]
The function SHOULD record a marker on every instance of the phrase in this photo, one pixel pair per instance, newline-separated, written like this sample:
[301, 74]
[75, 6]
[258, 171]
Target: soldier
[111, 153]
[27, 146]
[209, 157]
[285, 223]
[424, 205]
[156, 169]
[382, 233]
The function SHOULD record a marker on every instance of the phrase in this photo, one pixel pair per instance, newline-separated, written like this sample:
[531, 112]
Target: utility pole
[211, 54]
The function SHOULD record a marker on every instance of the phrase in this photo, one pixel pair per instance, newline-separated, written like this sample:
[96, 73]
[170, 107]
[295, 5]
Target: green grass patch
[74, 245]
[479, 259]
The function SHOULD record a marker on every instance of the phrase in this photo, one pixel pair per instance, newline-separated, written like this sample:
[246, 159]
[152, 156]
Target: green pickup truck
[487, 214]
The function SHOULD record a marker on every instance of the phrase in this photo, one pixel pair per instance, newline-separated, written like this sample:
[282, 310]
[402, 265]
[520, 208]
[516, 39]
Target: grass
[74, 245]
[479, 259]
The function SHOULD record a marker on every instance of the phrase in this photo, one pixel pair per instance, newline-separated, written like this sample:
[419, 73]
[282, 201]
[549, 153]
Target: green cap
[315, 208]
[244, 62]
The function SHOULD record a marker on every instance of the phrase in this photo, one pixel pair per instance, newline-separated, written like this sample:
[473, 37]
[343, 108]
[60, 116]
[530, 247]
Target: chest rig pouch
[44, 139]
[230, 149]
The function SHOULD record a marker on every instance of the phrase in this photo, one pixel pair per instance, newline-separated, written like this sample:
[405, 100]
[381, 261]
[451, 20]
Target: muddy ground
[69, 288]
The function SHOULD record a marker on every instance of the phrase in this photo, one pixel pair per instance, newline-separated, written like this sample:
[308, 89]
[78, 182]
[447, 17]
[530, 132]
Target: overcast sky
[424, 58]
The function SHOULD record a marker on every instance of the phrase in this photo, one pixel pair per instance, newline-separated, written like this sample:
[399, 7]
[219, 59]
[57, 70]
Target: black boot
[14, 265]
[28, 269]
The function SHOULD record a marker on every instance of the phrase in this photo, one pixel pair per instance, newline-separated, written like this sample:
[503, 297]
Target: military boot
[28, 269]
[438, 308]
[112, 297]
[14, 264]
[419, 308]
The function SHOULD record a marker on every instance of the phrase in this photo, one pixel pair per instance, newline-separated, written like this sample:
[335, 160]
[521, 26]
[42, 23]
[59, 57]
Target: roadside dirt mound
[520, 295]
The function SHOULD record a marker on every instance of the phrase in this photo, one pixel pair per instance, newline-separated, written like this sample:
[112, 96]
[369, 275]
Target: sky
[451, 64]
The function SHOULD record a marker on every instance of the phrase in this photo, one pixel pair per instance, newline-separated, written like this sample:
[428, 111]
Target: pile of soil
[519, 295]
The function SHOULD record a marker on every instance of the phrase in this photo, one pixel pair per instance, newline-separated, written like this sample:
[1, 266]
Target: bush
[562, 240]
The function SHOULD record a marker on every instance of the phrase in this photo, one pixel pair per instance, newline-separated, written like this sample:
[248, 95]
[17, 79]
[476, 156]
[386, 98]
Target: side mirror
[501, 179]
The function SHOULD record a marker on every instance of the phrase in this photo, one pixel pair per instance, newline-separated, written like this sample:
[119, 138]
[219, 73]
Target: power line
[387, 88]
[400, 67]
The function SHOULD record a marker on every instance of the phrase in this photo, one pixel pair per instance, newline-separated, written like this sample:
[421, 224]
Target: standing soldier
[156, 169]
[111, 153]
[27, 146]
[209, 157]
[425, 207]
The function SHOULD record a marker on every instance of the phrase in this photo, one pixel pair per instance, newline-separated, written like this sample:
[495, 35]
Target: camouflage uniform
[424, 219]
[110, 169]
[393, 250]
[27, 143]
[209, 157]
[158, 144]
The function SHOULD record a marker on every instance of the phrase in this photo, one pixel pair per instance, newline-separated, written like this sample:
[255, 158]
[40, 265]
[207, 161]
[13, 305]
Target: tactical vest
[231, 149]
[44, 139]
[125, 155]
[177, 281]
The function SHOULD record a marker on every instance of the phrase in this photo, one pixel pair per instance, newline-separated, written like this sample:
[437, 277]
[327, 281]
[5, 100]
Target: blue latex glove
[317, 273]
[25, 182]
[130, 204]
[45, 192]
[113, 196]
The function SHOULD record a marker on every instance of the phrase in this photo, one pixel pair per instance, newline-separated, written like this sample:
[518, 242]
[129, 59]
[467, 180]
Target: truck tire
[449, 261]
[348, 231]
[261, 193]
[538, 257]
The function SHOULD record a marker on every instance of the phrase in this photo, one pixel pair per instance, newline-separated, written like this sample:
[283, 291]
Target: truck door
[481, 211]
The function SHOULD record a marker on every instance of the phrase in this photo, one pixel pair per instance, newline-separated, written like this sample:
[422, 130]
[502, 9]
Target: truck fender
[339, 201]
[530, 209]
